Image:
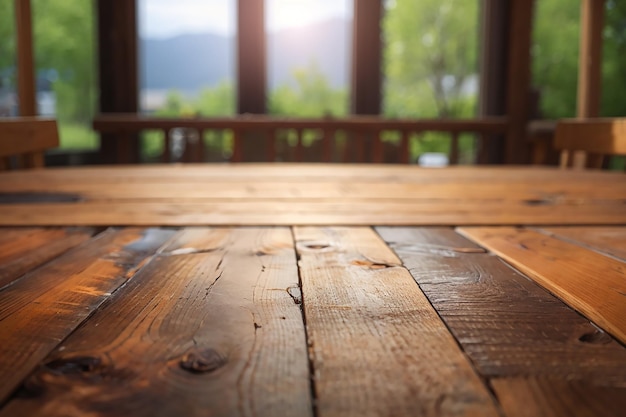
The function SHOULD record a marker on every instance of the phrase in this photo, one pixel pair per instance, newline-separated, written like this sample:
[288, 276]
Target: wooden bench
[23, 141]
[592, 139]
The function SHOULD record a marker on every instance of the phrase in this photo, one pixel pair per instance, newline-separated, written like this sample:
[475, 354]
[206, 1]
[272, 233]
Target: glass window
[8, 99]
[555, 59]
[309, 48]
[187, 57]
[65, 69]
[430, 68]
[430, 58]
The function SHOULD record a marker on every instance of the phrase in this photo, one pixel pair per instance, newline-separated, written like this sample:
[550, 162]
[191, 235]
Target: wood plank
[540, 357]
[23, 135]
[286, 172]
[607, 240]
[533, 397]
[310, 212]
[22, 250]
[377, 346]
[207, 328]
[591, 283]
[505, 323]
[548, 192]
[40, 310]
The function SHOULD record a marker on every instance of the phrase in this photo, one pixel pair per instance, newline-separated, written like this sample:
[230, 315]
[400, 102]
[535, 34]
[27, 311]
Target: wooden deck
[499, 313]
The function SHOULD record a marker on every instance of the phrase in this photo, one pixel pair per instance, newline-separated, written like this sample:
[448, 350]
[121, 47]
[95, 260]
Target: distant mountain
[191, 61]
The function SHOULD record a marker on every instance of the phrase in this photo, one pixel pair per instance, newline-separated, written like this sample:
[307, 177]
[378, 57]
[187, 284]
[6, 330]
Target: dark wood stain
[38, 198]
[510, 327]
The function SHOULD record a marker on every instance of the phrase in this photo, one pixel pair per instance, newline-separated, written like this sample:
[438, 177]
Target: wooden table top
[312, 290]
[290, 194]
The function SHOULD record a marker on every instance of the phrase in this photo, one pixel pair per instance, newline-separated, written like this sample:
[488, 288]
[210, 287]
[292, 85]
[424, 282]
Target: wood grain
[377, 346]
[261, 194]
[303, 212]
[540, 357]
[22, 250]
[27, 136]
[544, 397]
[40, 310]
[506, 324]
[591, 283]
[207, 328]
[608, 240]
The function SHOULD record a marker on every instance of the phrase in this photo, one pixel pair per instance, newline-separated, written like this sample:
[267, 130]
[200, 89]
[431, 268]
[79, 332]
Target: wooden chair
[583, 143]
[23, 141]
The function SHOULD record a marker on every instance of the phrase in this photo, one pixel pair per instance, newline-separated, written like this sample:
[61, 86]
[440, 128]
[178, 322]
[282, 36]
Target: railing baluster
[237, 151]
[270, 144]
[299, 146]
[327, 145]
[379, 151]
[454, 148]
[166, 156]
[404, 147]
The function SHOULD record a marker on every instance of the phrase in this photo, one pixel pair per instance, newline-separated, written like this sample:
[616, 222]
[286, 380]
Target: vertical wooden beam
[366, 57]
[25, 62]
[590, 72]
[590, 58]
[251, 57]
[119, 85]
[518, 79]
[493, 72]
[251, 74]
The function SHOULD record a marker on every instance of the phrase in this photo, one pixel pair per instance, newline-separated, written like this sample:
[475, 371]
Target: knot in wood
[202, 361]
[596, 338]
[74, 365]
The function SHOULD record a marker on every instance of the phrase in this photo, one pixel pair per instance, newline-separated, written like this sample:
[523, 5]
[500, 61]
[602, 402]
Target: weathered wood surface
[209, 327]
[541, 357]
[377, 346]
[591, 283]
[544, 397]
[38, 311]
[609, 240]
[24, 249]
[259, 194]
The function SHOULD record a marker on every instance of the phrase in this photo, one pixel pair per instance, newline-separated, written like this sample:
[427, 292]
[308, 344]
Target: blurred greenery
[429, 62]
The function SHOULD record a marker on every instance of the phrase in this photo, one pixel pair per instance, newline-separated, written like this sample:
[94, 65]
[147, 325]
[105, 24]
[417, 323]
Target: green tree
[429, 57]
[64, 42]
[311, 96]
[555, 56]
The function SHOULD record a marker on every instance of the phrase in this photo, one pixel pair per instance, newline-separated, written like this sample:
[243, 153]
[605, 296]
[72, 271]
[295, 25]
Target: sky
[167, 18]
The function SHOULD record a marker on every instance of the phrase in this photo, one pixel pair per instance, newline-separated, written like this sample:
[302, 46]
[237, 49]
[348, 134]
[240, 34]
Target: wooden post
[590, 71]
[518, 79]
[251, 75]
[493, 73]
[251, 65]
[366, 53]
[119, 86]
[590, 58]
[26, 69]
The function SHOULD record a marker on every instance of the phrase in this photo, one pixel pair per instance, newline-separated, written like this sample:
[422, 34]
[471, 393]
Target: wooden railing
[350, 139]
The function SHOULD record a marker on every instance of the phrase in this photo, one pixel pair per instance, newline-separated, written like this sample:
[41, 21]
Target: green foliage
[614, 62]
[555, 56]
[7, 36]
[64, 41]
[312, 96]
[430, 55]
